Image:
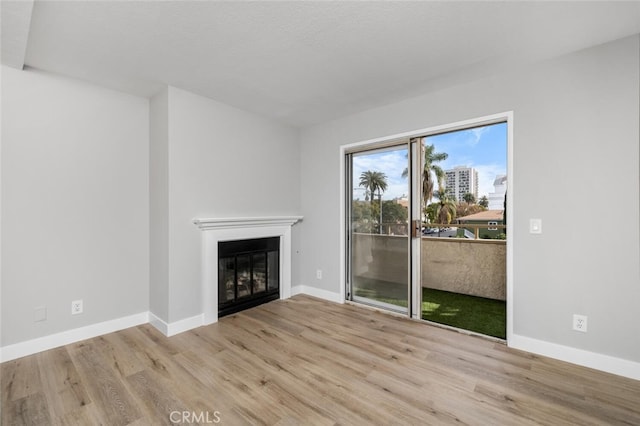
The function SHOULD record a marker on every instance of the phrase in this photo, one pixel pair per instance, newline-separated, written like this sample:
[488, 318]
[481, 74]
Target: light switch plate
[535, 226]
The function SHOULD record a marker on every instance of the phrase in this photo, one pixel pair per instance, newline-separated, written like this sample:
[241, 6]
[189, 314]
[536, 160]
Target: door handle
[416, 227]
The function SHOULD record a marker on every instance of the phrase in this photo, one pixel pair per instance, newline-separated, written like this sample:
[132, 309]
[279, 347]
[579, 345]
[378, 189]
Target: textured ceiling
[308, 62]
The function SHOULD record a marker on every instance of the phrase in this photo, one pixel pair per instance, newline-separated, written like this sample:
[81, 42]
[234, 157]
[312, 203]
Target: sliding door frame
[348, 243]
[507, 117]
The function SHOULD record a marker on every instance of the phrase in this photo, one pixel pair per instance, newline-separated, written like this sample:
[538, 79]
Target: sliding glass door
[378, 218]
[426, 234]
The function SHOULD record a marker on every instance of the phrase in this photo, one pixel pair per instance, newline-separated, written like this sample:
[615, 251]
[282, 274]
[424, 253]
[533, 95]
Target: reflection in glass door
[378, 222]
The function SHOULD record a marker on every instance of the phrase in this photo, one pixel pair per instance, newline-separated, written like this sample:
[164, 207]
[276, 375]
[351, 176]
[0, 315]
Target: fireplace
[248, 273]
[216, 230]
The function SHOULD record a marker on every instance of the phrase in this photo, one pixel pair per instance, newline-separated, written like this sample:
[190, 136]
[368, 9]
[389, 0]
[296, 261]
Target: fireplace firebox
[248, 273]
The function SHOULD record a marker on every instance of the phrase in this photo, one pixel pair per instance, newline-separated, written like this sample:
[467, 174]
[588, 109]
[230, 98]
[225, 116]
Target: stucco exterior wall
[477, 268]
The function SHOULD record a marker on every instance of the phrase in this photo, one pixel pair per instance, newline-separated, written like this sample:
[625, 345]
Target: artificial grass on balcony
[478, 314]
[485, 316]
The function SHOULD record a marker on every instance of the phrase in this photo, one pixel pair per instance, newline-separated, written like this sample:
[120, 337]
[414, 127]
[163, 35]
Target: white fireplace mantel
[243, 222]
[240, 228]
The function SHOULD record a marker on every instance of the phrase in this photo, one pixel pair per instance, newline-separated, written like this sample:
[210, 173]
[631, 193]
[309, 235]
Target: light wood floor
[306, 361]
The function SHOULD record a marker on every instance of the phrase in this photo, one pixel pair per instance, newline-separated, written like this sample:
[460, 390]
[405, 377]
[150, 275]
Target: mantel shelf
[244, 222]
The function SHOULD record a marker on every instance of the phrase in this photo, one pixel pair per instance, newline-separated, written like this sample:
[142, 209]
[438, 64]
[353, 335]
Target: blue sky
[484, 148]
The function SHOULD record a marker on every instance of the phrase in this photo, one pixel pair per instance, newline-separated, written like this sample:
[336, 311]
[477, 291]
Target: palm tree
[372, 182]
[430, 168]
[469, 198]
[446, 207]
[430, 158]
[431, 212]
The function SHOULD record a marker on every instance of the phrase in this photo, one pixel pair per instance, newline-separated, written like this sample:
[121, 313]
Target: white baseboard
[609, 364]
[18, 350]
[316, 292]
[158, 323]
[171, 329]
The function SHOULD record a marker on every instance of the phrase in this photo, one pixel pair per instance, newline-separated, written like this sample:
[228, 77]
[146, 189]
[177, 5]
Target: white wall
[74, 204]
[223, 162]
[576, 166]
[159, 204]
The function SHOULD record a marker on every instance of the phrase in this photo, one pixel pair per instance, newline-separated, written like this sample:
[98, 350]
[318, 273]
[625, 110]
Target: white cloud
[486, 175]
[476, 134]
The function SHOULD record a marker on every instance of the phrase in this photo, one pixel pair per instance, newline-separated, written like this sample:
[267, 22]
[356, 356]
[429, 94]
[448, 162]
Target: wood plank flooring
[310, 362]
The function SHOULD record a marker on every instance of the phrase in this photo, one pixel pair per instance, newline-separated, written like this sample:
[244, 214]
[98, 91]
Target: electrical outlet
[319, 274]
[580, 323]
[76, 307]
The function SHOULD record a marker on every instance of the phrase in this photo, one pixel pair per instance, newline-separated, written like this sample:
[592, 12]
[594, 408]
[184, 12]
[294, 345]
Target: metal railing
[473, 234]
[475, 226]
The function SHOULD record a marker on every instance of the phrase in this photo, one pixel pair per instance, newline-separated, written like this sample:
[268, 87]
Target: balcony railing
[467, 230]
[473, 266]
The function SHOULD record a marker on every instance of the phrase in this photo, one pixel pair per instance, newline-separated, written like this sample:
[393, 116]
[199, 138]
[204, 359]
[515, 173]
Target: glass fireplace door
[248, 273]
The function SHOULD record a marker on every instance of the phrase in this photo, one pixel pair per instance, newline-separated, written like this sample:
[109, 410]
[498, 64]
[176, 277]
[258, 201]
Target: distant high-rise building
[496, 198]
[462, 180]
